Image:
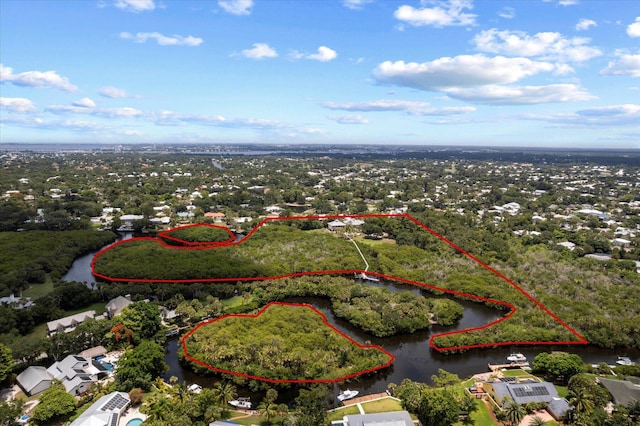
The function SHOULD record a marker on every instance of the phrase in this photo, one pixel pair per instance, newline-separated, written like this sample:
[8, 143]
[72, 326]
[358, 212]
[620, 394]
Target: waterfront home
[115, 306]
[106, 411]
[624, 392]
[524, 391]
[77, 373]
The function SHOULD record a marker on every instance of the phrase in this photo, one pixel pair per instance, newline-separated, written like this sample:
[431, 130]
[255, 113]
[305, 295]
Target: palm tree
[268, 410]
[538, 421]
[582, 401]
[224, 392]
[515, 412]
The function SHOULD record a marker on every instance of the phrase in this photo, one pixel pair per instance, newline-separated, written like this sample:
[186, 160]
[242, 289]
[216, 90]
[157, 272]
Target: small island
[282, 343]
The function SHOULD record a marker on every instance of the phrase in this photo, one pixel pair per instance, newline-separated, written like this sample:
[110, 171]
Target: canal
[414, 357]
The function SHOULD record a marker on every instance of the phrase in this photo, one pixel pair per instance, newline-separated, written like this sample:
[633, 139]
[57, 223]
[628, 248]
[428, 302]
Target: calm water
[414, 357]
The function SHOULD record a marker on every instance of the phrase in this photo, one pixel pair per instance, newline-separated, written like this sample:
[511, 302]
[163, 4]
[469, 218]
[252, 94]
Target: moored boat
[624, 360]
[243, 403]
[516, 357]
[347, 394]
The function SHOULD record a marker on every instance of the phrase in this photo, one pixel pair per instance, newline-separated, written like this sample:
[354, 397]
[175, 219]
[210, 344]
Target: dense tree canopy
[139, 367]
[557, 366]
[284, 342]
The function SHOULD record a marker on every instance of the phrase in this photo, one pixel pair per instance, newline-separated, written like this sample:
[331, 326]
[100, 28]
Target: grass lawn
[341, 412]
[248, 421]
[481, 417]
[234, 301]
[563, 391]
[40, 330]
[382, 406]
[37, 291]
[518, 372]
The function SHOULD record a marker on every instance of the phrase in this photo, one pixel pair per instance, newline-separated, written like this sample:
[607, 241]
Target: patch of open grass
[382, 406]
[40, 330]
[518, 372]
[563, 391]
[37, 291]
[234, 301]
[482, 416]
[343, 411]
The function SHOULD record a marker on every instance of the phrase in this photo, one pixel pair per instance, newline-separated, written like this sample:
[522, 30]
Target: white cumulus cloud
[113, 92]
[546, 45]
[324, 54]
[38, 79]
[20, 105]
[626, 64]
[585, 24]
[135, 5]
[443, 14]
[520, 95]
[410, 107]
[236, 7]
[634, 29]
[507, 13]
[260, 51]
[459, 71]
[349, 119]
[84, 103]
[355, 4]
[162, 40]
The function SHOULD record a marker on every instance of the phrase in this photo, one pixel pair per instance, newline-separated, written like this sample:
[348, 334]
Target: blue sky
[553, 73]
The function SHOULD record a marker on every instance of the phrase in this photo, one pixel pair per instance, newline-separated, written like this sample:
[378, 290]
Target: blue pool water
[108, 366]
[134, 422]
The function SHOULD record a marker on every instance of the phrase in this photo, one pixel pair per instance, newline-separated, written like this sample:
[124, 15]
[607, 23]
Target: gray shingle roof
[623, 391]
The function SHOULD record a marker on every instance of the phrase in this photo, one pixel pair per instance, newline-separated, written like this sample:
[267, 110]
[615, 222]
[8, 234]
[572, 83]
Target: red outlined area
[166, 236]
[265, 379]
[512, 309]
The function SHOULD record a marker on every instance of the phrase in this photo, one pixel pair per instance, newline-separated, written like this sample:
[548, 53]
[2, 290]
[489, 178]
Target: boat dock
[498, 367]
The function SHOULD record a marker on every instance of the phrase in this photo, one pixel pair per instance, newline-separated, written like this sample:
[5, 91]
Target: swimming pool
[107, 365]
[134, 422]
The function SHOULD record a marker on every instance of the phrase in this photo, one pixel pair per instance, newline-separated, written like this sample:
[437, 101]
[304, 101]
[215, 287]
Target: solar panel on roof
[117, 402]
[114, 420]
[531, 391]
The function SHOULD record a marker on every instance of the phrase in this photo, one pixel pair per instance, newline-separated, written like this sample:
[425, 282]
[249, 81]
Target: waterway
[414, 357]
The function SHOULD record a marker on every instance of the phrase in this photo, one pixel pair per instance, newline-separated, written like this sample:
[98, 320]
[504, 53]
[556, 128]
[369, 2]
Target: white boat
[516, 357]
[244, 403]
[348, 394]
[195, 388]
[624, 360]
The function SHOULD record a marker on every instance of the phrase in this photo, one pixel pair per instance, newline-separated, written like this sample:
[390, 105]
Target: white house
[69, 323]
[34, 379]
[106, 411]
[77, 373]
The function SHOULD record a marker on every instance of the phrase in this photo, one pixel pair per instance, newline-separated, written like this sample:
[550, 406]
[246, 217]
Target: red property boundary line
[580, 339]
[264, 379]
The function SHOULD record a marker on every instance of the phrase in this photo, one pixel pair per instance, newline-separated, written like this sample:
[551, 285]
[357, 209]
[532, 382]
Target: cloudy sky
[557, 73]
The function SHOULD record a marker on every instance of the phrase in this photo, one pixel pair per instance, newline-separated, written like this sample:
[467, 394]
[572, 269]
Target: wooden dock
[498, 367]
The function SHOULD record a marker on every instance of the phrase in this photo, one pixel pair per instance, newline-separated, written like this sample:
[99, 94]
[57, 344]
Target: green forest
[196, 234]
[284, 342]
[26, 258]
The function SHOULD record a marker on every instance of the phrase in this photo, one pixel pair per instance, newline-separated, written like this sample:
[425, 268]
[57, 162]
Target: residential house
[67, 324]
[392, 418]
[34, 379]
[217, 217]
[77, 373]
[115, 306]
[524, 391]
[106, 411]
[16, 302]
[336, 225]
[624, 392]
